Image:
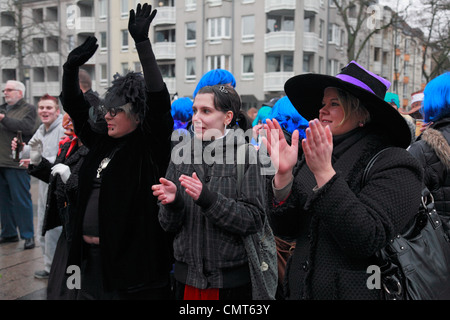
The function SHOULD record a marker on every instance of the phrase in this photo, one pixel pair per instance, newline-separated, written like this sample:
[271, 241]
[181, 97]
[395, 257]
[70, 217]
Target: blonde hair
[352, 106]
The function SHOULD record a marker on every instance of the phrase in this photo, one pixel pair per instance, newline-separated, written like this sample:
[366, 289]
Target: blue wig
[288, 117]
[181, 112]
[216, 76]
[436, 101]
[263, 114]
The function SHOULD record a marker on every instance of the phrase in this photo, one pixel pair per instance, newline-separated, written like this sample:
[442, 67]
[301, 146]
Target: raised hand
[81, 54]
[166, 191]
[283, 156]
[139, 22]
[318, 148]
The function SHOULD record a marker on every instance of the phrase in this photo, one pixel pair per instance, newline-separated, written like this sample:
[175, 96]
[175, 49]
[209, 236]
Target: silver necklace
[102, 166]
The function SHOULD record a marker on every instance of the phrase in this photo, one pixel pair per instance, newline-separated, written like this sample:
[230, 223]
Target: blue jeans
[16, 207]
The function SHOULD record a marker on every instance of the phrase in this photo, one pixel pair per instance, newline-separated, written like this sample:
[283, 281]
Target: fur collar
[440, 145]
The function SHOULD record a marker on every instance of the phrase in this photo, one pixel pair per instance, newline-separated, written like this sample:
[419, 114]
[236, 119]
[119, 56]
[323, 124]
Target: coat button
[208, 179]
[305, 265]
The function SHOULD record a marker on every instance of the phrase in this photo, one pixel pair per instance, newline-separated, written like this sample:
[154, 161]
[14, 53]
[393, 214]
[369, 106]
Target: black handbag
[416, 264]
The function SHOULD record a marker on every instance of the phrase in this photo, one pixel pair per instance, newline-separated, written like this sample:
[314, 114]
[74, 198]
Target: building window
[219, 28]
[137, 66]
[190, 5]
[190, 69]
[334, 34]
[7, 19]
[124, 8]
[279, 23]
[103, 74]
[218, 62]
[125, 68]
[124, 40]
[167, 70]
[167, 35]
[333, 67]
[103, 42]
[247, 67]
[248, 28]
[191, 34]
[308, 61]
[280, 63]
[38, 45]
[102, 10]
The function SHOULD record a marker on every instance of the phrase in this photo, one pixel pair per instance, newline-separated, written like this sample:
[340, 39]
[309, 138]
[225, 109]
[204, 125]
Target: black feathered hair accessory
[127, 89]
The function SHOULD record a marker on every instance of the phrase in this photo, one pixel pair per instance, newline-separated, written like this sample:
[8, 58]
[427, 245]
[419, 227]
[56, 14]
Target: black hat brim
[306, 93]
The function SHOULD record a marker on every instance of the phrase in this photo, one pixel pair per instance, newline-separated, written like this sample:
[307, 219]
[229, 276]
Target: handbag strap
[370, 165]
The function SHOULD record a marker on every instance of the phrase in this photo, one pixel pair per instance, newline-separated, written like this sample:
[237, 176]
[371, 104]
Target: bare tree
[435, 22]
[22, 35]
[362, 19]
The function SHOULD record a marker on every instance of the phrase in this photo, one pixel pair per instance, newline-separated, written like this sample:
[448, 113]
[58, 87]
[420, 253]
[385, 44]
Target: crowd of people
[149, 216]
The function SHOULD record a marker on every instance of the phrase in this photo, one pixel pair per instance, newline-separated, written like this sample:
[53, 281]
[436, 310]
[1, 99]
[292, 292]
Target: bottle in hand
[16, 153]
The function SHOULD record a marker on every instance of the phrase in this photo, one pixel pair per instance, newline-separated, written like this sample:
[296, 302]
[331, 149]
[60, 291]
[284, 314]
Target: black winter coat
[135, 251]
[59, 193]
[432, 149]
[340, 226]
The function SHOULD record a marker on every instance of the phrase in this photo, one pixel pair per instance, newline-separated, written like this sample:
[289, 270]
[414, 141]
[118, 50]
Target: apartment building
[262, 42]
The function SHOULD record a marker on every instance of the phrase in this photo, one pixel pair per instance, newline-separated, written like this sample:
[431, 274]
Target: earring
[361, 124]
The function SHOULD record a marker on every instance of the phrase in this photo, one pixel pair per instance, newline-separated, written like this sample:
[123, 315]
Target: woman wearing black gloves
[118, 242]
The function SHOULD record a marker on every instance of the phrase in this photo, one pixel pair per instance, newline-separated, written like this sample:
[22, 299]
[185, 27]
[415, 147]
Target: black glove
[80, 55]
[139, 24]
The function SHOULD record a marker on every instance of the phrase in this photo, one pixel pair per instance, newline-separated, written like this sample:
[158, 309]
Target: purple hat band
[356, 75]
[356, 82]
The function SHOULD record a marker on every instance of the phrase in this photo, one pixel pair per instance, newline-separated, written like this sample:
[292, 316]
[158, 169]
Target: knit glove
[63, 171]
[81, 54]
[139, 23]
[35, 151]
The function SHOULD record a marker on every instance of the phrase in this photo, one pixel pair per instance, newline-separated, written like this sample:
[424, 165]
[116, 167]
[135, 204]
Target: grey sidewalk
[17, 266]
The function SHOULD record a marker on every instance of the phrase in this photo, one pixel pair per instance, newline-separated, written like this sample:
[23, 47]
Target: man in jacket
[16, 207]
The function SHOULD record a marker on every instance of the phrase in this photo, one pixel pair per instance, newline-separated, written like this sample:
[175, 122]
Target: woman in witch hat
[338, 222]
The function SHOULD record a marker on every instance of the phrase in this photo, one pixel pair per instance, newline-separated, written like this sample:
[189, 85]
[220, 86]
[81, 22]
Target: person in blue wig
[288, 117]
[432, 147]
[258, 123]
[215, 76]
[181, 112]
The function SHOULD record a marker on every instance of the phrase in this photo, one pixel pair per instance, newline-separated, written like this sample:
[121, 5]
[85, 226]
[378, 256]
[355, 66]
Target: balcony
[82, 25]
[312, 6]
[8, 62]
[279, 41]
[166, 15]
[273, 5]
[310, 42]
[38, 89]
[274, 81]
[165, 50]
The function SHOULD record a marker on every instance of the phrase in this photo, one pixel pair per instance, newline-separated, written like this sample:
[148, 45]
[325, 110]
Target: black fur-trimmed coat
[135, 250]
[339, 227]
[432, 149]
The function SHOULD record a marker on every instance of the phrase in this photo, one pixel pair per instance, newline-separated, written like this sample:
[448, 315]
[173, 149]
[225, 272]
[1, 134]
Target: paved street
[17, 266]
